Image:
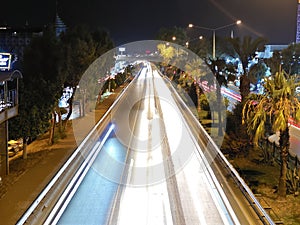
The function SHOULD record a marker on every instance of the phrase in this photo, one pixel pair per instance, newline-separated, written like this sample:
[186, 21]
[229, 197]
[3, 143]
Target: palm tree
[276, 106]
[197, 69]
[290, 58]
[246, 51]
[167, 53]
[222, 72]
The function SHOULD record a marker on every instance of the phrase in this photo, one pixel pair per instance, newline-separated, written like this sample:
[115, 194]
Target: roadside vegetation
[269, 170]
[49, 65]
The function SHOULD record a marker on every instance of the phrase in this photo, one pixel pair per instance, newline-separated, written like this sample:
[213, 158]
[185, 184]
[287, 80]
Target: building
[60, 27]
[298, 24]
[8, 110]
[269, 49]
[14, 40]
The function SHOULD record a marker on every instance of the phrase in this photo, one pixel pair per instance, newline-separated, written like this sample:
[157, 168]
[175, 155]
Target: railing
[272, 153]
[10, 101]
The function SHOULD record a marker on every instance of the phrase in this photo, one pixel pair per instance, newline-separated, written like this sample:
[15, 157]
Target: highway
[149, 167]
[160, 188]
[157, 187]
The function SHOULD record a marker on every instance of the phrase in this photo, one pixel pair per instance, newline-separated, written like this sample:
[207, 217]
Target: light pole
[214, 33]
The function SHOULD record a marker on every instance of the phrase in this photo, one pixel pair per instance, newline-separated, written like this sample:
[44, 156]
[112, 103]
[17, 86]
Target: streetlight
[188, 42]
[214, 33]
[174, 39]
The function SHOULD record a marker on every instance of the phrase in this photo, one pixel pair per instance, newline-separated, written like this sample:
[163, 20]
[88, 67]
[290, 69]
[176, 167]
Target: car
[12, 150]
[14, 147]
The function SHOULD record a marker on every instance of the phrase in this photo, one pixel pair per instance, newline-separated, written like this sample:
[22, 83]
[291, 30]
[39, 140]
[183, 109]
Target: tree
[202, 47]
[168, 34]
[102, 41]
[290, 58]
[81, 47]
[39, 88]
[246, 51]
[167, 52]
[274, 62]
[221, 71]
[257, 72]
[197, 69]
[276, 107]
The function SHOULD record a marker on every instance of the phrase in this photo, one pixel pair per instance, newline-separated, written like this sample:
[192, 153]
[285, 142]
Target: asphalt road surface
[149, 171]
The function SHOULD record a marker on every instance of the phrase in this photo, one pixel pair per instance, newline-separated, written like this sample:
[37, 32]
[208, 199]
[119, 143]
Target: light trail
[152, 170]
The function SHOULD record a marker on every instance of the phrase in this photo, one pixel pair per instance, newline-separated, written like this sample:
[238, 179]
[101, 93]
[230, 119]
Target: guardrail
[73, 185]
[209, 143]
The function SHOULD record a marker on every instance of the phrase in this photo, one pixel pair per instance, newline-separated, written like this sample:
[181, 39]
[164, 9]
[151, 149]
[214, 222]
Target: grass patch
[263, 180]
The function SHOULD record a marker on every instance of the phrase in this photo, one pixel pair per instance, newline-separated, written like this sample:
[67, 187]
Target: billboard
[5, 60]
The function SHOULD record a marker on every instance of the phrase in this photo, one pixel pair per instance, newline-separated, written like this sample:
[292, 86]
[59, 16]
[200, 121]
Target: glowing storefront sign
[5, 60]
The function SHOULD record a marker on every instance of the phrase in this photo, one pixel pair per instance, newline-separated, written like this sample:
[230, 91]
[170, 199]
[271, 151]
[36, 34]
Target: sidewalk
[28, 177]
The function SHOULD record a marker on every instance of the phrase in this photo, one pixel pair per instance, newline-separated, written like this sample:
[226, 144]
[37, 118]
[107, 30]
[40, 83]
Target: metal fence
[273, 154]
[10, 101]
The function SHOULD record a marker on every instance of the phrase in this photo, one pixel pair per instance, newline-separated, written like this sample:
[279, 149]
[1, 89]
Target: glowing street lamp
[188, 42]
[214, 33]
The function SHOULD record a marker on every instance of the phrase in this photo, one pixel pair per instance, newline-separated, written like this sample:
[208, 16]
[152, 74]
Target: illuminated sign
[5, 60]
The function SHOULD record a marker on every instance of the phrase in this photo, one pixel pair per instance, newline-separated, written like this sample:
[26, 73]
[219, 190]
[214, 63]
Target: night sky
[134, 20]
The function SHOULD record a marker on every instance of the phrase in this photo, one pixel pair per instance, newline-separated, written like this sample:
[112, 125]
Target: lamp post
[214, 33]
